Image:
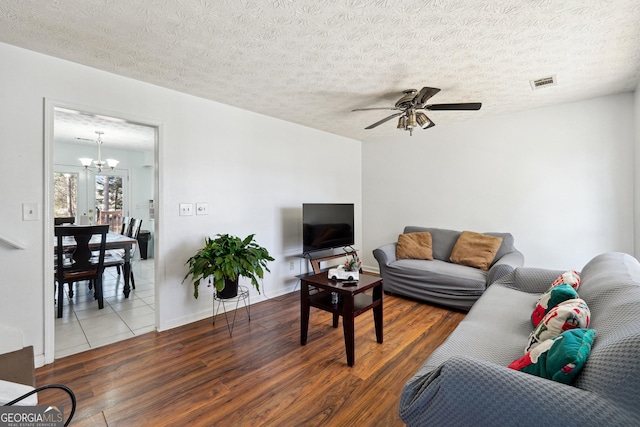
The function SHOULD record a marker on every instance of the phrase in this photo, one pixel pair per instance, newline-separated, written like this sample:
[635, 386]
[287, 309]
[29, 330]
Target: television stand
[315, 262]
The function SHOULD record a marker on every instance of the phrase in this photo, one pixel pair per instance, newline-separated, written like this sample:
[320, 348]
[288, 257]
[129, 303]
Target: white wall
[559, 178]
[637, 174]
[254, 171]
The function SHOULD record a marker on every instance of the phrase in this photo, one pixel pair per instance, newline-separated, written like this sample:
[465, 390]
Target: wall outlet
[291, 266]
[186, 209]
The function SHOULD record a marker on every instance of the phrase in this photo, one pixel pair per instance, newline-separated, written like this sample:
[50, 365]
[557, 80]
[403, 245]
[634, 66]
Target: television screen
[327, 226]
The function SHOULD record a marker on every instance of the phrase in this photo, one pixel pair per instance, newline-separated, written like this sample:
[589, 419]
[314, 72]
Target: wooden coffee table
[316, 292]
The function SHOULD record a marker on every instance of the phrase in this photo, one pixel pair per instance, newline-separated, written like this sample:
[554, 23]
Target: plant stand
[243, 295]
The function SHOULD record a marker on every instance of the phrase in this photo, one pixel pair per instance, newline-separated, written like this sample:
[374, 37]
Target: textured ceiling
[312, 61]
[78, 127]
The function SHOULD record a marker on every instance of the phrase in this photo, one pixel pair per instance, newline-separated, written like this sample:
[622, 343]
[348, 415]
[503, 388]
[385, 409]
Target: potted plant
[225, 259]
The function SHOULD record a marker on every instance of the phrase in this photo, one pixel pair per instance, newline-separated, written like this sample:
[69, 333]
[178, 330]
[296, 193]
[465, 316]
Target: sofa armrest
[505, 265]
[468, 391]
[385, 254]
[530, 279]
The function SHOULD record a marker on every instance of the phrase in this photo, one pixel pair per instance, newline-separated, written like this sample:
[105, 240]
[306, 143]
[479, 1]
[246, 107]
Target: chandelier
[99, 164]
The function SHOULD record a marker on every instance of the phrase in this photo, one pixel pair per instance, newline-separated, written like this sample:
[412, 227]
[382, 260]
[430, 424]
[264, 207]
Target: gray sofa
[466, 380]
[440, 281]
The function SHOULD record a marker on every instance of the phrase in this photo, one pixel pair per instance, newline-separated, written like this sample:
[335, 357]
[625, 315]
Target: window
[109, 201]
[65, 191]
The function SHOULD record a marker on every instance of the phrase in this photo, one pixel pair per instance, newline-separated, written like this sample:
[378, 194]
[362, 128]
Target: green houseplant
[225, 259]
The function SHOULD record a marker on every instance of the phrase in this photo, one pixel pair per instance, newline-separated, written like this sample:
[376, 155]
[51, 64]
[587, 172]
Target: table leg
[60, 298]
[98, 289]
[127, 271]
[304, 312]
[348, 327]
[377, 313]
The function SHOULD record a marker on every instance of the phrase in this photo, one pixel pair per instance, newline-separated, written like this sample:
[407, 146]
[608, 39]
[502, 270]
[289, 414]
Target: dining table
[114, 241]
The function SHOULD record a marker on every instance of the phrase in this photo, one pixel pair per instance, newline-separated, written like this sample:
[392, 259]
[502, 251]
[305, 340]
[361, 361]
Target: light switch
[186, 209]
[202, 208]
[30, 212]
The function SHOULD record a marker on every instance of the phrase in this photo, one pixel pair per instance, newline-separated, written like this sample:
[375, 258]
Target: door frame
[48, 231]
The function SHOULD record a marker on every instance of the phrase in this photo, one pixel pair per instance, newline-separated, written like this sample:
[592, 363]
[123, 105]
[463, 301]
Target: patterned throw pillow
[570, 277]
[550, 299]
[570, 314]
[559, 358]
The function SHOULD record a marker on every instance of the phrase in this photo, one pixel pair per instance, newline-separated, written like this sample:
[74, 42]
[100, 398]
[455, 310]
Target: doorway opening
[86, 194]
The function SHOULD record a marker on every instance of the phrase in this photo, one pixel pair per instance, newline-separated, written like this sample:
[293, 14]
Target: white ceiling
[312, 61]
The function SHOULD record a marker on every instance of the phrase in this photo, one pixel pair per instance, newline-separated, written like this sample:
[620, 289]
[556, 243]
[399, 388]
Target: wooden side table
[316, 292]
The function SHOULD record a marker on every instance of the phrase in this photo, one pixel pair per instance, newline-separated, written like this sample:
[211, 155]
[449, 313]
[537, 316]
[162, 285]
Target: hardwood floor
[197, 375]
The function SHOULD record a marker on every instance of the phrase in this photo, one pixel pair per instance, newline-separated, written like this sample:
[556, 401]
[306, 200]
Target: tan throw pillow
[475, 250]
[415, 246]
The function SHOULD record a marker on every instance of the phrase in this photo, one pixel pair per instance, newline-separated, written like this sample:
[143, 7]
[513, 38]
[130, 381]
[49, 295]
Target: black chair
[112, 256]
[126, 226]
[78, 263]
[115, 258]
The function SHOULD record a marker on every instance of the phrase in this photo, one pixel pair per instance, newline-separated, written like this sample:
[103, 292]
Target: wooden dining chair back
[79, 263]
[126, 226]
[116, 258]
[134, 230]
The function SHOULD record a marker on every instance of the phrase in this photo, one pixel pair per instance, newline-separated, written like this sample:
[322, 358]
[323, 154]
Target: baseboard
[370, 269]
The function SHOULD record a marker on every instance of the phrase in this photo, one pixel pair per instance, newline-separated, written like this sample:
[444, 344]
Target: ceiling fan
[411, 107]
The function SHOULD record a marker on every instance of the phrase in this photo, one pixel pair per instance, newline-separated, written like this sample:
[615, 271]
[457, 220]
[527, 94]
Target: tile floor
[83, 326]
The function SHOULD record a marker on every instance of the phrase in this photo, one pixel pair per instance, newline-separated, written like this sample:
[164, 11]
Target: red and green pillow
[569, 277]
[569, 314]
[554, 296]
[559, 358]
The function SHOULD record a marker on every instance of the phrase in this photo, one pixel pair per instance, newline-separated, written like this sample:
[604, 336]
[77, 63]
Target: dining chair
[115, 257]
[126, 226]
[77, 263]
[112, 256]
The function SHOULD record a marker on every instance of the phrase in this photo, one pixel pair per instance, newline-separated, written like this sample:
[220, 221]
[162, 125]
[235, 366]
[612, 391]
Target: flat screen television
[326, 226]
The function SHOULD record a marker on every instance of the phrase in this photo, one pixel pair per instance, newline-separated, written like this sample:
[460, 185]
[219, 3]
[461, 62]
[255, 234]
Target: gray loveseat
[440, 281]
[466, 380]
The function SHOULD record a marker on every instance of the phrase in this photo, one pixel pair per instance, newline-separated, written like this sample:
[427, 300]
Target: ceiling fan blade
[423, 96]
[376, 108]
[449, 107]
[386, 119]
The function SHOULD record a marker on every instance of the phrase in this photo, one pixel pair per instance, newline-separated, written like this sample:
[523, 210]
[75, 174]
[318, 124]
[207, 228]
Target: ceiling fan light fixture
[402, 122]
[423, 120]
[411, 107]
[411, 120]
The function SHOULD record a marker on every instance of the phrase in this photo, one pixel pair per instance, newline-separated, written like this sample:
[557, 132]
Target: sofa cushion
[554, 296]
[414, 246]
[475, 250]
[570, 314]
[559, 358]
[10, 391]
